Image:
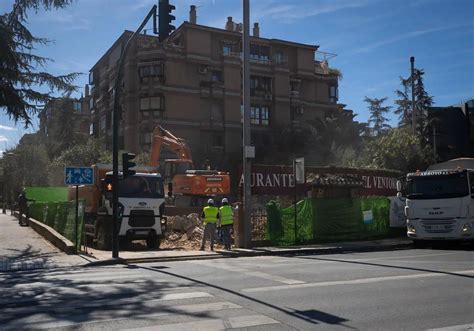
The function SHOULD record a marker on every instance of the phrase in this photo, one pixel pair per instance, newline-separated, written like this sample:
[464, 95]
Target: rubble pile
[183, 232]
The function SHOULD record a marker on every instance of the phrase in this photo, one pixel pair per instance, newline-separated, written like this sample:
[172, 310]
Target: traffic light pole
[116, 115]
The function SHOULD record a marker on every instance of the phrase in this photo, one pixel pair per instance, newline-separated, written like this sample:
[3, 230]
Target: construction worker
[23, 207]
[226, 222]
[210, 215]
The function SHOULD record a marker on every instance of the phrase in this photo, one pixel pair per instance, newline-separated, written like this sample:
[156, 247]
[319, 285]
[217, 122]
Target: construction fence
[52, 208]
[317, 220]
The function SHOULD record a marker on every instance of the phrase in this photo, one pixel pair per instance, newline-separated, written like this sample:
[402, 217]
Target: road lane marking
[213, 324]
[464, 327]
[247, 272]
[355, 281]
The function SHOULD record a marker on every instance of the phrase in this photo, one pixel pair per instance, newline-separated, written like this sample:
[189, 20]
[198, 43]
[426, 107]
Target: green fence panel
[61, 216]
[51, 214]
[328, 219]
[36, 211]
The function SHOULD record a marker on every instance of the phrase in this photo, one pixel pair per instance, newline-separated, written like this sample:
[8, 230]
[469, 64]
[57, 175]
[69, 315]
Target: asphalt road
[391, 290]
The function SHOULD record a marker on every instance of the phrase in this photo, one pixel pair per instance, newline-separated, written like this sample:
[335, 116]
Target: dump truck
[440, 202]
[141, 207]
[187, 185]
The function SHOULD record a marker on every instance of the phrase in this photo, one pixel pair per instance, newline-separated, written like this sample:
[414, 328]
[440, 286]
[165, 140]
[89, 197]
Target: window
[264, 120]
[259, 52]
[260, 84]
[91, 129]
[333, 94]
[103, 122]
[254, 115]
[146, 138]
[217, 140]
[216, 76]
[259, 115]
[77, 106]
[226, 50]
[152, 103]
[91, 78]
[151, 70]
[91, 103]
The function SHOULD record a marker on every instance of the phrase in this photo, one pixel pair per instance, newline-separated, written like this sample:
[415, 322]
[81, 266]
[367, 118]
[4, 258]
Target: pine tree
[377, 111]
[20, 69]
[404, 103]
[422, 102]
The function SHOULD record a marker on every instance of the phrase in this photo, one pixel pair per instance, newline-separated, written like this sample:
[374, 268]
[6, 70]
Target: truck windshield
[437, 187]
[141, 187]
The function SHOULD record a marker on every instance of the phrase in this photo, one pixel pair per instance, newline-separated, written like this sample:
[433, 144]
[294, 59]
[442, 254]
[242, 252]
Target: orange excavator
[188, 186]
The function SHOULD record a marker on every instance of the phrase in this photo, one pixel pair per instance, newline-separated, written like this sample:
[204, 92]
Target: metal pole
[116, 113]
[294, 183]
[413, 112]
[246, 127]
[77, 220]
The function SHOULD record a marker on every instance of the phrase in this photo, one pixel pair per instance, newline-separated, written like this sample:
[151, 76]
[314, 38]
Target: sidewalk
[21, 248]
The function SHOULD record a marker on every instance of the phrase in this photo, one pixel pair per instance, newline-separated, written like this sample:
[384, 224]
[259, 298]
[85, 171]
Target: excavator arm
[161, 137]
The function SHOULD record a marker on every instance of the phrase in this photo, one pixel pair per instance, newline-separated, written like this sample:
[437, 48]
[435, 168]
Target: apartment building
[71, 110]
[191, 85]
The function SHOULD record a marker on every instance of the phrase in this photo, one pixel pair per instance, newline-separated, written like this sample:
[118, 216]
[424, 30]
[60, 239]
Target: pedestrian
[210, 215]
[23, 207]
[226, 222]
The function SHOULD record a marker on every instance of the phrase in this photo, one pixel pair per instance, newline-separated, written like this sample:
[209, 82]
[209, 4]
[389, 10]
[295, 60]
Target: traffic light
[127, 163]
[165, 19]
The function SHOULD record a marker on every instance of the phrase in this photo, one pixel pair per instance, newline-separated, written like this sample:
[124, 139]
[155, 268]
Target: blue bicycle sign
[78, 176]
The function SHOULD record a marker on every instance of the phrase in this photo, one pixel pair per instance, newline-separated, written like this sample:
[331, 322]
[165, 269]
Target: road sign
[78, 176]
[299, 170]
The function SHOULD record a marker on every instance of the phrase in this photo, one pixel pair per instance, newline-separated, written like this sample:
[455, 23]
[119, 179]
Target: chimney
[192, 14]
[256, 30]
[86, 90]
[229, 26]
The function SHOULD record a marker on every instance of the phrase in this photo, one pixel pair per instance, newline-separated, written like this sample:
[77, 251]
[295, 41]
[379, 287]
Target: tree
[422, 102]
[20, 74]
[79, 155]
[377, 111]
[399, 149]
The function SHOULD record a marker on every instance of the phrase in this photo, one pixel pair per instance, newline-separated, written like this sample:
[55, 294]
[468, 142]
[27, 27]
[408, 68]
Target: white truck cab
[440, 205]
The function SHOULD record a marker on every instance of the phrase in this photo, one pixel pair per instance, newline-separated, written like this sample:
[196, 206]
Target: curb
[126, 261]
[256, 252]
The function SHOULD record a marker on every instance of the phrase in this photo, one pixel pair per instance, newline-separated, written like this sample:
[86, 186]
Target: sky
[373, 40]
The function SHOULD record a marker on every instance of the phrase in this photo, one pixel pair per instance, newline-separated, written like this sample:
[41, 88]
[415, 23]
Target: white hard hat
[210, 202]
[225, 200]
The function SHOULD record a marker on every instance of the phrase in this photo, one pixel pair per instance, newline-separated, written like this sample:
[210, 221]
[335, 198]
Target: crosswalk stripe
[247, 272]
[51, 322]
[356, 281]
[213, 324]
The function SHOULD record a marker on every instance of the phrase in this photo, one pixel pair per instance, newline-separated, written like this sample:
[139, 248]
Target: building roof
[186, 24]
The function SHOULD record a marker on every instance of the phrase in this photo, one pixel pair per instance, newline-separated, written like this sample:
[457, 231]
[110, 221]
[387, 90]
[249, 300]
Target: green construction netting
[47, 194]
[328, 219]
[61, 216]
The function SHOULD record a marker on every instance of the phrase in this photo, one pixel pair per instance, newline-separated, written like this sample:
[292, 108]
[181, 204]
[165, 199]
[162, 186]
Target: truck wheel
[153, 242]
[103, 239]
